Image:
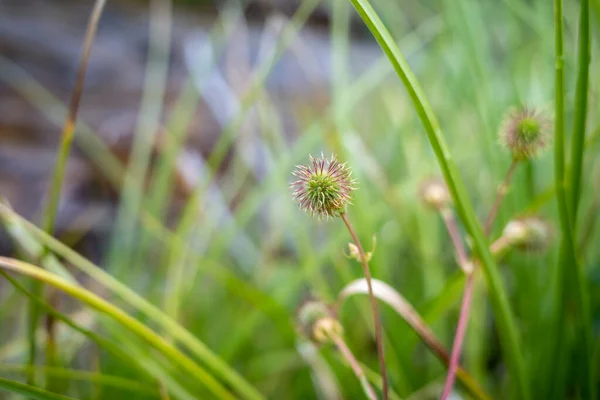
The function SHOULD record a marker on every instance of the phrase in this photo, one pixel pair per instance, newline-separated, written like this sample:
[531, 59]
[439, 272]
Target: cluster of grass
[206, 307]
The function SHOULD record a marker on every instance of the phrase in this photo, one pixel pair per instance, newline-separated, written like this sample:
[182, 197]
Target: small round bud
[324, 188]
[317, 322]
[528, 233]
[525, 133]
[325, 328]
[434, 193]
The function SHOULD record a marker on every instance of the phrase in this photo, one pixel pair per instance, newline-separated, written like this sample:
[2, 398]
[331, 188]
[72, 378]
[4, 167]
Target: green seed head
[323, 188]
[525, 133]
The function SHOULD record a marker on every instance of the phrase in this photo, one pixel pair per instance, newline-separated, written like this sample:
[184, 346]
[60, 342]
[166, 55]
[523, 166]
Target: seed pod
[525, 132]
[317, 322]
[323, 188]
[434, 193]
[528, 233]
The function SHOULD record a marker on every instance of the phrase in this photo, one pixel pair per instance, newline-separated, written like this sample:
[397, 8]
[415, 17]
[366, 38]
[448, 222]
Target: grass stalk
[568, 253]
[506, 321]
[196, 347]
[581, 106]
[376, 320]
[101, 305]
[31, 392]
[51, 209]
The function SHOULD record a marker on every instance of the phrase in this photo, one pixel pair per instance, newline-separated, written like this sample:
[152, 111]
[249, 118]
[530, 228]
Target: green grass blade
[121, 317]
[506, 321]
[581, 105]
[175, 330]
[31, 392]
[568, 201]
[87, 376]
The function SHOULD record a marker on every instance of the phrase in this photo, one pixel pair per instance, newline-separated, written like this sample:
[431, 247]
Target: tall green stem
[506, 321]
[568, 201]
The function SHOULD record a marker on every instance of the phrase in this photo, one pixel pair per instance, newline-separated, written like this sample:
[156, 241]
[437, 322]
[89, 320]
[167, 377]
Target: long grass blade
[506, 320]
[49, 215]
[31, 392]
[121, 317]
[175, 329]
[406, 311]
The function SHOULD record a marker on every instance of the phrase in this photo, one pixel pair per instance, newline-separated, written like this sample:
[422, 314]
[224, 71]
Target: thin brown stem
[355, 365]
[377, 322]
[502, 190]
[51, 209]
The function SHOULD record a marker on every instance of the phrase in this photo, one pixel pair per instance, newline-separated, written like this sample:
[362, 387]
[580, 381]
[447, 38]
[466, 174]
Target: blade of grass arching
[100, 341]
[506, 321]
[31, 392]
[401, 381]
[51, 209]
[176, 330]
[116, 382]
[122, 318]
[567, 259]
[406, 311]
[158, 367]
[122, 251]
[574, 186]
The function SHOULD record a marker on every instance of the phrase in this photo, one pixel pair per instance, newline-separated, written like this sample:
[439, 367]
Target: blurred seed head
[528, 233]
[317, 322]
[324, 187]
[434, 193]
[525, 132]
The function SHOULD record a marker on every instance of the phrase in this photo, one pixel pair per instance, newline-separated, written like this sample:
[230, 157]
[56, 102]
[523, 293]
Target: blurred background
[193, 116]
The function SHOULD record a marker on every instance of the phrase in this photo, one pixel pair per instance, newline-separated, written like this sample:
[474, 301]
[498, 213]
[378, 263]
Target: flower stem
[459, 337]
[354, 364]
[467, 266]
[502, 190]
[377, 322]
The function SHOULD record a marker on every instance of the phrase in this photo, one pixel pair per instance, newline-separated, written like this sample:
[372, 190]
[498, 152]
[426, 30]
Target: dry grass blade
[390, 296]
[51, 209]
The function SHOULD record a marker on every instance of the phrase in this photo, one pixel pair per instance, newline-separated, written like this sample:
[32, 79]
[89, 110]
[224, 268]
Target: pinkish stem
[461, 329]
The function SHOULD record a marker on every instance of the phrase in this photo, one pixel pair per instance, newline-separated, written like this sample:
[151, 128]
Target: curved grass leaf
[123, 318]
[391, 297]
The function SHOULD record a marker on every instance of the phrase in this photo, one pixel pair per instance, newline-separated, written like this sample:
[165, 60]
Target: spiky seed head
[525, 132]
[323, 189]
[317, 322]
[528, 233]
[434, 193]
